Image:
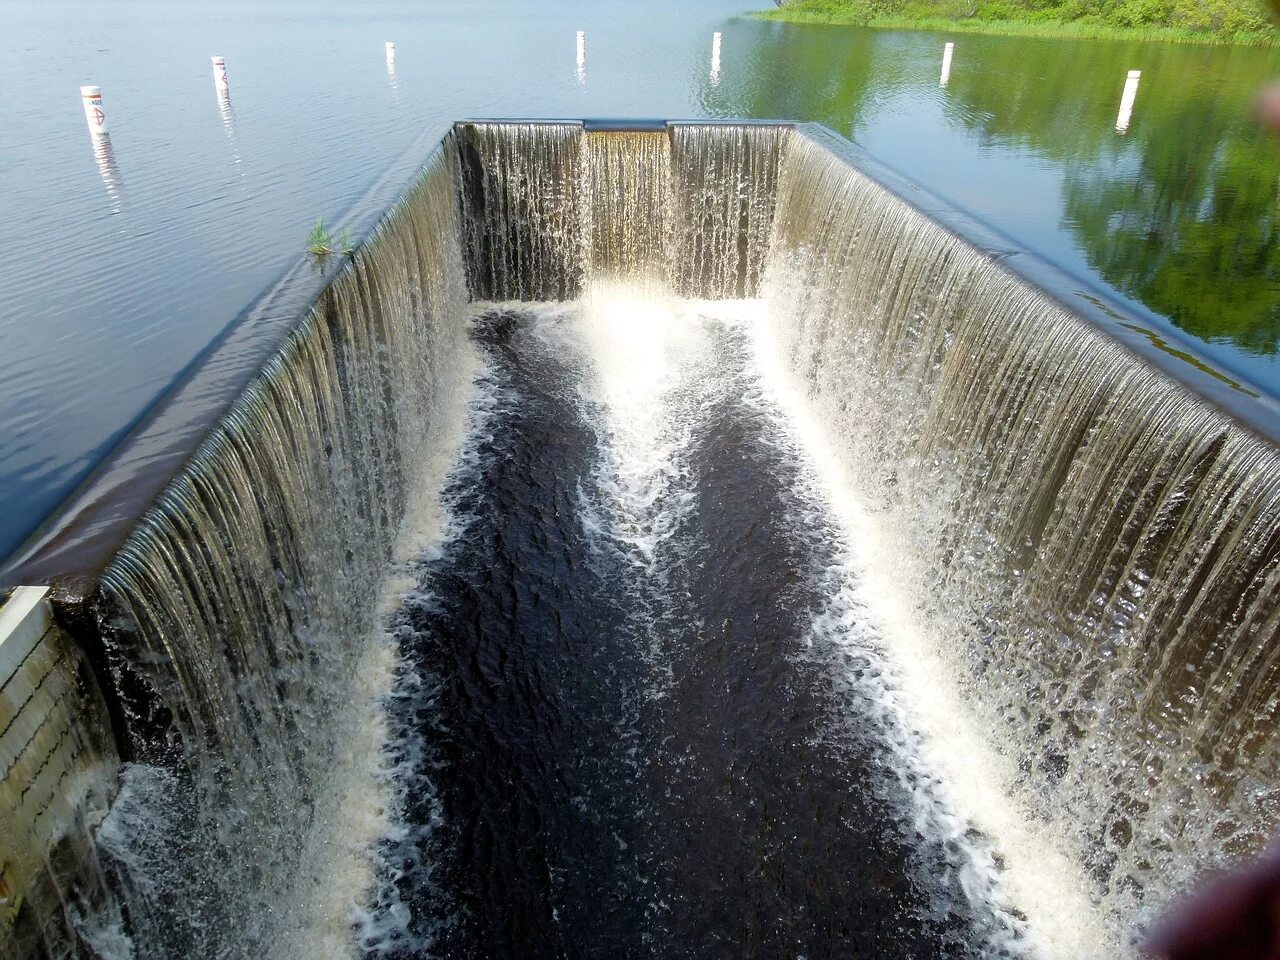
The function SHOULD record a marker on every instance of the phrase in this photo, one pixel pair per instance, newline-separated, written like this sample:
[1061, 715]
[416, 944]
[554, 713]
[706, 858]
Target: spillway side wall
[57, 776]
[234, 618]
[1093, 550]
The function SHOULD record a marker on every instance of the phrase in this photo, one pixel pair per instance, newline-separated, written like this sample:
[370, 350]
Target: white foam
[380, 918]
[636, 347]
[335, 870]
[640, 363]
[339, 865]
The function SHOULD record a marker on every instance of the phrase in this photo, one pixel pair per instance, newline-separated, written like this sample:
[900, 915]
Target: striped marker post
[93, 111]
[220, 76]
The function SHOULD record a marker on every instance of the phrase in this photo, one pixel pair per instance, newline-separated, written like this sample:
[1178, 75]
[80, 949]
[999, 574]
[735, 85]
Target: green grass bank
[1179, 21]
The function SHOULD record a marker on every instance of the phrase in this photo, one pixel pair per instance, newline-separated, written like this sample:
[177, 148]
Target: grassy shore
[1244, 23]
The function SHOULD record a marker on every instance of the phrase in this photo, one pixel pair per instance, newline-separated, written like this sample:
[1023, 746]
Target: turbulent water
[658, 723]
[750, 568]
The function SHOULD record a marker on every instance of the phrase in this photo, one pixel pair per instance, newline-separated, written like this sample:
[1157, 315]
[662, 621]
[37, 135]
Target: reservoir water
[126, 262]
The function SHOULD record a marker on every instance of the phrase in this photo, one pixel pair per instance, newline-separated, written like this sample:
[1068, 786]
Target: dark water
[613, 752]
[125, 261]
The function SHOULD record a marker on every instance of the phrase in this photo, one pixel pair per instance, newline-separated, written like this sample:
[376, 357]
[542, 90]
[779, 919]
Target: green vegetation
[1197, 21]
[322, 243]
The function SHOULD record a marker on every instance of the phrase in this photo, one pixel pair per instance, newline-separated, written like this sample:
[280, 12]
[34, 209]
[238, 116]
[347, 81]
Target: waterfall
[522, 225]
[240, 610]
[552, 209]
[1070, 559]
[626, 206]
[1093, 550]
[724, 193]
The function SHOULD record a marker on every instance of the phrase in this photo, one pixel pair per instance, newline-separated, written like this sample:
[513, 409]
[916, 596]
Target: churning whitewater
[642, 710]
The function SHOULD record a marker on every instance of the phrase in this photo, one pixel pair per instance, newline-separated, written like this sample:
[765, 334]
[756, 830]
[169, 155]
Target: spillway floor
[623, 727]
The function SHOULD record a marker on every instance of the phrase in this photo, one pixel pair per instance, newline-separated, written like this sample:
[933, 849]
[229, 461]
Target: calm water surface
[123, 263]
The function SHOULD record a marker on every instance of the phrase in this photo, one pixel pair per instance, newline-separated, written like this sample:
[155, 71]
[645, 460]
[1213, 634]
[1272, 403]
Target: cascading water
[626, 209]
[724, 191]
[1092, 552]
[240, 613]
[521, 216]
[551, 211]
[803, 581]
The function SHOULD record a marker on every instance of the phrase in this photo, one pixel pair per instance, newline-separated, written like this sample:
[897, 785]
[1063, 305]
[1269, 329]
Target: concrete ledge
[57, 774]
[24, 618]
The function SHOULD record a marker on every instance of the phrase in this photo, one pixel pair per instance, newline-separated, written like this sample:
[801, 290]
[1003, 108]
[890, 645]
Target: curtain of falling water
[522, 222]
[626, 191]
[240, 606]
[725, 184]
[549, 208]
[1100, 550]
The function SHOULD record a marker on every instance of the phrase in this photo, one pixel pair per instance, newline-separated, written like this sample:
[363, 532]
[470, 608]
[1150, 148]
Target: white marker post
[715, 56]
[93, 112]
[947, 51]
[392, 77]
[220, 76]
[1126, 100]
[582, 49]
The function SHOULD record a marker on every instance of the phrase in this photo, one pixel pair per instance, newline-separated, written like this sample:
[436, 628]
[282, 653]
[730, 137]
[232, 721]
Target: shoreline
[1042, 29]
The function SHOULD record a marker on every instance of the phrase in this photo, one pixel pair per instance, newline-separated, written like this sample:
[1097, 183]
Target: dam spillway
[658, 540]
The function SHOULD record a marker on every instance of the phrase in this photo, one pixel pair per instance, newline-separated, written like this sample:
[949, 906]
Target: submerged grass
[1243, 23]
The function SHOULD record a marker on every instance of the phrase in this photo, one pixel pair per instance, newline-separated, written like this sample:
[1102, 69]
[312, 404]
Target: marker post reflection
[1126, 100]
